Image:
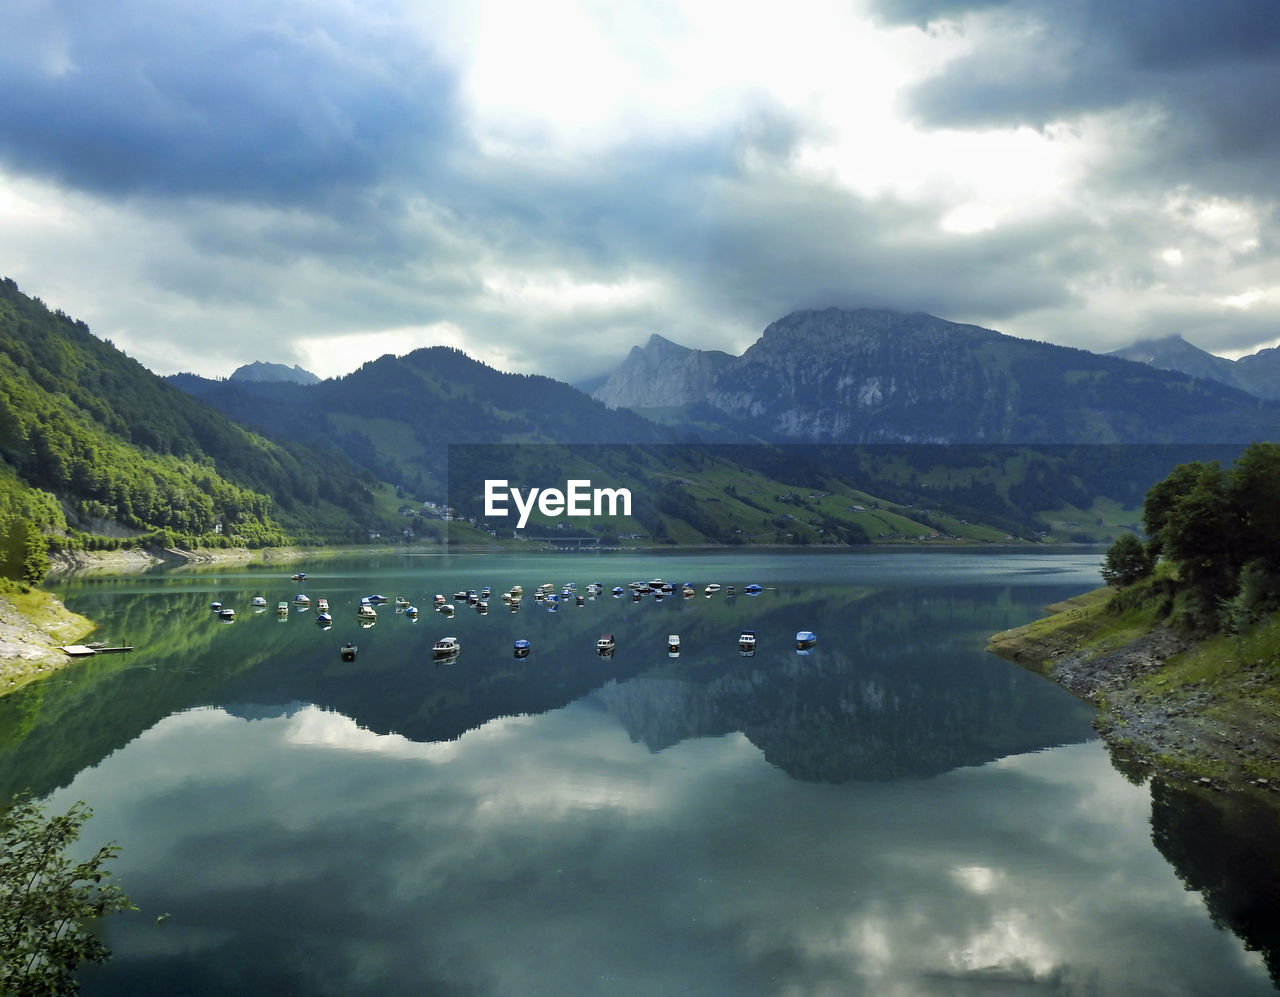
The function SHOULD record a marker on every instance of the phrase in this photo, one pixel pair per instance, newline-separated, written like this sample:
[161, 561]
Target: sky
[546, 185]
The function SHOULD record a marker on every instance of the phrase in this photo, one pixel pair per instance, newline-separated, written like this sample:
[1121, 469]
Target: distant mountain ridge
[1258, 373]
[662, 373]
[262, 371]
[869, 375]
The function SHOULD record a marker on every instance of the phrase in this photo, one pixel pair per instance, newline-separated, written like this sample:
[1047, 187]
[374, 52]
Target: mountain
[397, 416]
[96, 450]
[867, 376]
[661, 374]
[1258, 374]
[262, 371]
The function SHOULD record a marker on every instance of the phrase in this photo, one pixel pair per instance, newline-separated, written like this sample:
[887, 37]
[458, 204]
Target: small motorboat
[521, 648]
[446, 647]
[401, 602]
[298, 576]
[579, 600]
[805, 639]
[753, 589]
[747, 641]
[460, 595]
[323, 618]
[282, 610]
[729, 591]
[482, 607]
[215, 606]
[439, 599]
[485, 592]
[322, 605]
[226, 613]
[411, 612]
[376, 598]
[367, 612]
[348, 651]
[673, 643]
[516, 590]
[713, 587]
[606, 644]
[301, 600]
[617, 591]
[446, 609]
[257, 601]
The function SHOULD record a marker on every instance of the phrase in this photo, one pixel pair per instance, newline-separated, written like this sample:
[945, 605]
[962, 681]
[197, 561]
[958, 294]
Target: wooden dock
[84, 650]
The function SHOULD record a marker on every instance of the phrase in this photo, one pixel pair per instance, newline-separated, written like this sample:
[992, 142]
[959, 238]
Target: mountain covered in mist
[867, 376]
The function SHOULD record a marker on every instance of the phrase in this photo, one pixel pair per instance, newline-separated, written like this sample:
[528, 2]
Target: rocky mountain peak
[260, 370]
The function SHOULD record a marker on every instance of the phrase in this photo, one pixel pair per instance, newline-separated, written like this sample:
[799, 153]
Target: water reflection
[895, 812]
[555, 855]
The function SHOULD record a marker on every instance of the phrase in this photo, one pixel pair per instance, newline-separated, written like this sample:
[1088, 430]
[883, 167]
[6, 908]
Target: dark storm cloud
[1208, 71]
[250, 101]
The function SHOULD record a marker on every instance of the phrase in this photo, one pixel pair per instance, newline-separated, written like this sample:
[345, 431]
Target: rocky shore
[1214, 730]
[33, 628]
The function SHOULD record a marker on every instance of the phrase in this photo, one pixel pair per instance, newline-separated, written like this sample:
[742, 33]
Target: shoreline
[1209, 731]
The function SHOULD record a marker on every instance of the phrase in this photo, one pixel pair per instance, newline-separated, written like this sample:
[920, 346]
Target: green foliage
[95, 446]
[1126, 562]
[1221, 532]
[47, 901]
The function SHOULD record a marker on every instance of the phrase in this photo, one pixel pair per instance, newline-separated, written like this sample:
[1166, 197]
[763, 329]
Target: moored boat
[747, 641]
[805, 639]
[348, 651]
[446, 647]
[521, 648]
[673, 643]
[367, 612]
[605, 645]
[226, 613]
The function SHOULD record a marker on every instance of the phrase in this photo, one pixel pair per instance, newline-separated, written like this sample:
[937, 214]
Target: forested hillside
[99, 452]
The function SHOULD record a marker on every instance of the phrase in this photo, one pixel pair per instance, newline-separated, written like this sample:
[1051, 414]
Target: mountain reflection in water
[896, 811]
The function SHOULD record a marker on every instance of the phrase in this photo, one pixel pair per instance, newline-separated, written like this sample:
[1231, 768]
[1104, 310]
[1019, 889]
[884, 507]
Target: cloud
[260, 101]
[310, 182]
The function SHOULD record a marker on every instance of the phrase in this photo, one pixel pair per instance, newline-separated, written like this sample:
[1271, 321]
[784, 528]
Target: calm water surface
[896, 812]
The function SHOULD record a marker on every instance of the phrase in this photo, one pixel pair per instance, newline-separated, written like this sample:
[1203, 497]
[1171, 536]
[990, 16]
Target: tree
[47, 900]
[1126, 562]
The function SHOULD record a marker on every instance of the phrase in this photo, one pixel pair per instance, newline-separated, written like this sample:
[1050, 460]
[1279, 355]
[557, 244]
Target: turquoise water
[894, 812]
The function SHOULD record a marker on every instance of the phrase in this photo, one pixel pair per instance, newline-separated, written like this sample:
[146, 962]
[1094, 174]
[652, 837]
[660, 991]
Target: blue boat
[753, 589]
[805, 639]
[522, 648]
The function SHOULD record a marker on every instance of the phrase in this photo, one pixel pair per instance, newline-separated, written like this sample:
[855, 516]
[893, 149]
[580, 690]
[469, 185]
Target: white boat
[446, 609]
[673, 643]
[747, 640]
[401, 602]
[298, 576]
[439, 599]
[367, 612]
[258, 600]
[446, 647]
[411, 612]
[805, 639]
[713, 587]
[516, 590]
[226, 613]
[322, 605]
[605, 644]
[282, 610]
[301, 600]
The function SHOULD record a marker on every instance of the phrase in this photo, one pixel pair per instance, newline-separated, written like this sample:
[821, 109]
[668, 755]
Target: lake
[895, 811]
